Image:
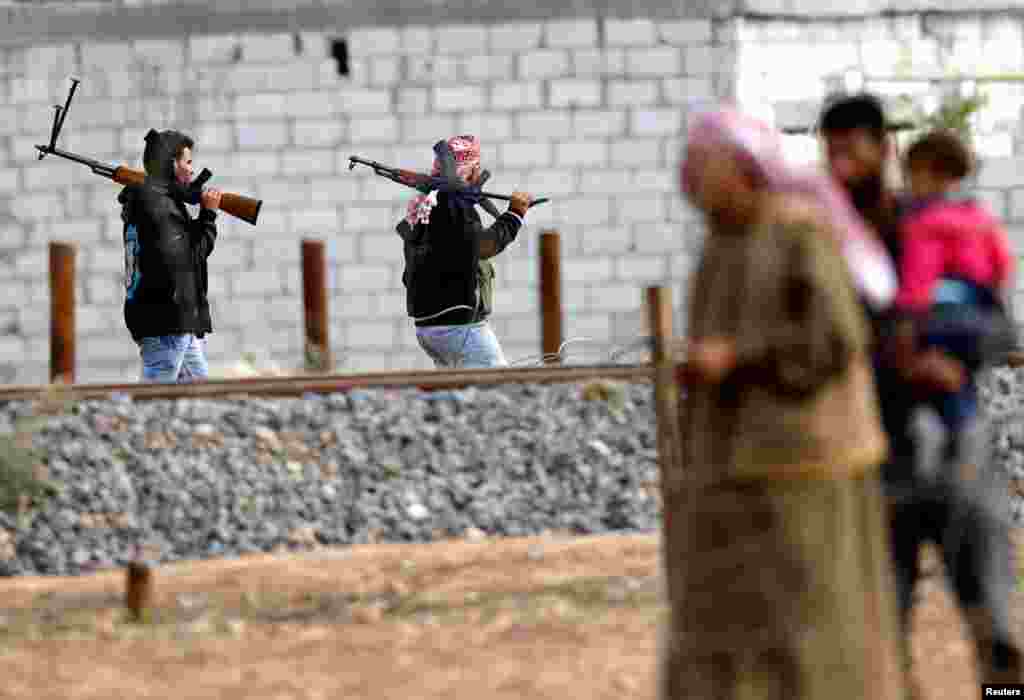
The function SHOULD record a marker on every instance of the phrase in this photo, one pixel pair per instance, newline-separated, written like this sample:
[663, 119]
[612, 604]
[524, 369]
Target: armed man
[448, 274]
[166, 307]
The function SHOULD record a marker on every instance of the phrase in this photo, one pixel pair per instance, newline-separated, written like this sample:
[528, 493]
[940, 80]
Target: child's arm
[924, 260]
[1002, 256]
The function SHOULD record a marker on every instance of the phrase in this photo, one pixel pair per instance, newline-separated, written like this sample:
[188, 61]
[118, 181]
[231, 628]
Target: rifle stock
[245, 208]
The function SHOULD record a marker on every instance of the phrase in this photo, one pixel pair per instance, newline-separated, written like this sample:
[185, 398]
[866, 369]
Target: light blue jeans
[473, 345]
[173, 359]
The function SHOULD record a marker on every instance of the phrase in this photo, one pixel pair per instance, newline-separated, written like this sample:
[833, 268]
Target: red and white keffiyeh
[724, 129]
[466, 149]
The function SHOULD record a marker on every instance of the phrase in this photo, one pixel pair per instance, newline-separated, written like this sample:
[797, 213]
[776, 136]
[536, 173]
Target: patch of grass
[579, 601]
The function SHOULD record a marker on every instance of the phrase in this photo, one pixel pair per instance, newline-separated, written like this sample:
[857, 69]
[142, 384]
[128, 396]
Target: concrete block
[361, 277]
[678, 91]
[581, 153]
[605, 181]
[595, 326]
[544, 63]
[550, 183]
[354, 303]
[318, 223]
[37, 207]
[210, 137]
[647, 268]
[374, 130]
[47, 60]
[307, 162]
[259, 105]
[491, 126]
[368, 219]
[361, 101]
[551, 124]
[462, 98]
[661, 180]
[584, 211]
[12, 236]
[996, 200]
[412, 101]
[379, 247]
[588, 124]
[417, 40]
[659, 62]
[160, 52]
[587, 269]
[1000, 172]
[385, 70]
[631, 93]
[263, 282]
[213, 48]
[483, 68]
[427, 128]
[334, 190]
[690, 31]
[374, 41]
[515, 37]
[629, 32]
[614, 297]
[262, 135]
[316, 104]
[311, 133]
[256, 164]
[104, 291]
[640, 208]
[432, 69]
[699, 60]
[575, 92]
[588, 63]
[572, 33]
[466, 38]
[516, 96]
[30, 91]
[636, 153]
[656, 122]
[267, 48]
[606, 241]
[525, 154]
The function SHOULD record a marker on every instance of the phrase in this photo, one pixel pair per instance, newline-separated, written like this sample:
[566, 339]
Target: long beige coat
[775, 547]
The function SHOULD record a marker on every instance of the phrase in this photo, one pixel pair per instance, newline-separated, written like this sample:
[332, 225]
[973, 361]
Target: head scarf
[466, 150]
[724, 130]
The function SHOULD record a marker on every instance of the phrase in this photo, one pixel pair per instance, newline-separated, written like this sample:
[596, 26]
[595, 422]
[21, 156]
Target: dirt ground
[523, 618]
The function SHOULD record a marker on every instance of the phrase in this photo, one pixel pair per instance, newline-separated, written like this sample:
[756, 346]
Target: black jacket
[442, 262]
[165, 255]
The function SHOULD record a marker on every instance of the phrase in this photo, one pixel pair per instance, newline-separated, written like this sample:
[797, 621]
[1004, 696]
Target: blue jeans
[170, 359]
[473, 345]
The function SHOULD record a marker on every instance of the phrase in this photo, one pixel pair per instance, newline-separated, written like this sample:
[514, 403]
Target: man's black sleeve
[203, 231]
[496, 237]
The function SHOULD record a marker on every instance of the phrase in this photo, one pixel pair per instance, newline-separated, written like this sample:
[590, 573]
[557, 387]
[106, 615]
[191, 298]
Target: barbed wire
[606, 353]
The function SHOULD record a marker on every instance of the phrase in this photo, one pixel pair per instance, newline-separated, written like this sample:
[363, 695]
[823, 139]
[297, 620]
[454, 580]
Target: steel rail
[298, 385]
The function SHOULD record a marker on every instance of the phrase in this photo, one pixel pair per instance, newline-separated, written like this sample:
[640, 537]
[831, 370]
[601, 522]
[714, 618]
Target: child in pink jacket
[956, 265]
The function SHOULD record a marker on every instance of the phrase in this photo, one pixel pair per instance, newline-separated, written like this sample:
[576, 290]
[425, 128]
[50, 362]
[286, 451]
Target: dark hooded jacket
[165, 249]
[448, 280]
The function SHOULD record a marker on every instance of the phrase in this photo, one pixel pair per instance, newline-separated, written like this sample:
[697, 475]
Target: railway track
[298, 385]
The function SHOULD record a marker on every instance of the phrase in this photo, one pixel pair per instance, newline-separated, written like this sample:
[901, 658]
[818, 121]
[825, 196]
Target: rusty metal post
[314, 302]
[666, 398]
[550, 293]
[138, 596]
[62, 312]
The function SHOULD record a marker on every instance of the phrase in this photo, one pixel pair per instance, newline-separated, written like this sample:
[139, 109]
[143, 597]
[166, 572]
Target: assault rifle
[245, 208]
[448, 181]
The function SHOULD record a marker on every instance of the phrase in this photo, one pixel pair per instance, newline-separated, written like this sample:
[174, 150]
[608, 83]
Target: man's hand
[210, 198]
[520, 203]
[936, 370]
[712, 359]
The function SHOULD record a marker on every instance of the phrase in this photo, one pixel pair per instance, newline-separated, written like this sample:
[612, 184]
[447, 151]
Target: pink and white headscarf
[466, 149]
[724, 129]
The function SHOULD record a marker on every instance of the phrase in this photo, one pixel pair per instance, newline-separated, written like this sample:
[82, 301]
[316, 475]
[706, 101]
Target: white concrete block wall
[585, 111]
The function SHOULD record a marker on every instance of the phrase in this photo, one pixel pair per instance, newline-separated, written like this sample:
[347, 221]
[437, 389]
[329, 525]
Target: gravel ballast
[195, 479]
